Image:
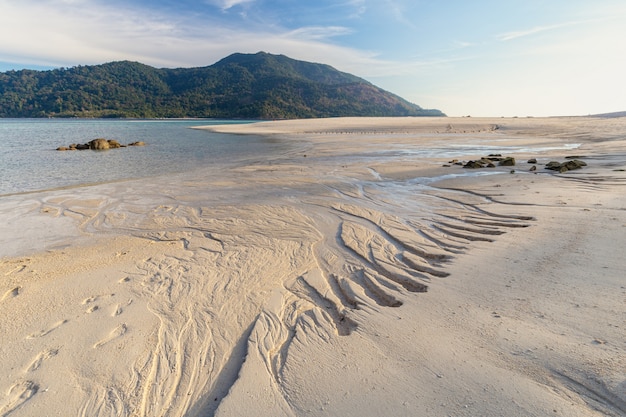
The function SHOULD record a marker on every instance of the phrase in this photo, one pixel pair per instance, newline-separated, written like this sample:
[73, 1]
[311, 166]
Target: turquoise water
[29, 160]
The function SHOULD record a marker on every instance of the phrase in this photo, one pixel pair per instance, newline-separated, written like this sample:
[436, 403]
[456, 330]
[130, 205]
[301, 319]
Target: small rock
[473, 165]
[532, 161]
[533, 168]
[575, 164]
[507, 162]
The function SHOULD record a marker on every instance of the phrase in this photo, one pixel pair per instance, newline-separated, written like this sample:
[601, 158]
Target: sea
[29, 160]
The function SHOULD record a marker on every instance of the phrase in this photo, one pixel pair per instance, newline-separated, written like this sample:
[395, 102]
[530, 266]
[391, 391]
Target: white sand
[295, 286]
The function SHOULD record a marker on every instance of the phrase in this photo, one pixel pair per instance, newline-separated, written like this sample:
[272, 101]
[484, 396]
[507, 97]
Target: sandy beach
[362, 273]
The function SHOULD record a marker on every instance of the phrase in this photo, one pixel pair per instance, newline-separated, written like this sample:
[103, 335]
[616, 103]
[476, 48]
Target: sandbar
[361, 273]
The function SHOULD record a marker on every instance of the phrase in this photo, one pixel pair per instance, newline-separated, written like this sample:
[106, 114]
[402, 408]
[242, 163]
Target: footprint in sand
[12, 293]
[117, 310]
[92, 309]
[115, 333]
[47, 331]
[16, 270]
[89, 300]
[45, 355]
[95, 298]
[18, 394]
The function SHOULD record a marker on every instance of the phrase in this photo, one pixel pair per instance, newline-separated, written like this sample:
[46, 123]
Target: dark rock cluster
[491, 160]
[565, 166]
[98, 144]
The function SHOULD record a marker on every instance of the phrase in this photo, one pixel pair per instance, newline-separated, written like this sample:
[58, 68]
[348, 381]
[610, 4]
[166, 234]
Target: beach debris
[565, 166]
[98, 144]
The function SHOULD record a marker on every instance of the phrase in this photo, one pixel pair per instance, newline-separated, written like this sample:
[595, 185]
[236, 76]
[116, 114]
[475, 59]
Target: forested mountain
[258, 85]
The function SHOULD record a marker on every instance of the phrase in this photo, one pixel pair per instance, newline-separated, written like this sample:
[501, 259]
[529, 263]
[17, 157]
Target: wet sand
[354, 275]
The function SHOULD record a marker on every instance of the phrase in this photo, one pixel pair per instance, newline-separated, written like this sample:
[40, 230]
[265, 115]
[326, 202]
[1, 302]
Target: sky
[478, 58]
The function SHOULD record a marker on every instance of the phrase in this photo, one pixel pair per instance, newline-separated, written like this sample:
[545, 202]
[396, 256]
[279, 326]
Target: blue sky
[479, 58]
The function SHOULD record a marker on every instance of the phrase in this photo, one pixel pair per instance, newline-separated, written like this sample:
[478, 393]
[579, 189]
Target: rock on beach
[565, 166]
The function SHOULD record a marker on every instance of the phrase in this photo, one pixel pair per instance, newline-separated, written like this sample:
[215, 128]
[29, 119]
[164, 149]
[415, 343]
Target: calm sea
[29, 161]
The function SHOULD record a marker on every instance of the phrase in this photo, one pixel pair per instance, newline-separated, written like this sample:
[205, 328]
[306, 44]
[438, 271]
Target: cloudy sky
[479, 58]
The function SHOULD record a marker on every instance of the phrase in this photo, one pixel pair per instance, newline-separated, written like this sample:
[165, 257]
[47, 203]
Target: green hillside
[258, 85]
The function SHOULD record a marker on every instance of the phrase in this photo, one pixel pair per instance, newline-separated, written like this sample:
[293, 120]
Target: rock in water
[99, 144]
[114, 144]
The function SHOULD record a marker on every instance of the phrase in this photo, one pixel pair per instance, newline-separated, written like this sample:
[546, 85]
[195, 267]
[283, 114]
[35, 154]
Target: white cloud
[532, 31]
[318, 32]
[359, 6]
[546, 28]
[67, 33]
[64, 32]
[228, 4]
[398, 10]
[463, 44]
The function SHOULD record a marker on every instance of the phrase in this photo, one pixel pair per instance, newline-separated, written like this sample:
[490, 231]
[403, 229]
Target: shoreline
[211, 294]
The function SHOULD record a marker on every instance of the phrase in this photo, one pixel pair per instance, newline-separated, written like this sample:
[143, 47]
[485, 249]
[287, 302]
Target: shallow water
[29, 160]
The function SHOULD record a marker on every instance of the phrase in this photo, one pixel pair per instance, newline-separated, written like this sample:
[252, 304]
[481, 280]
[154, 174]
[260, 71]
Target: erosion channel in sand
[354, 275]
